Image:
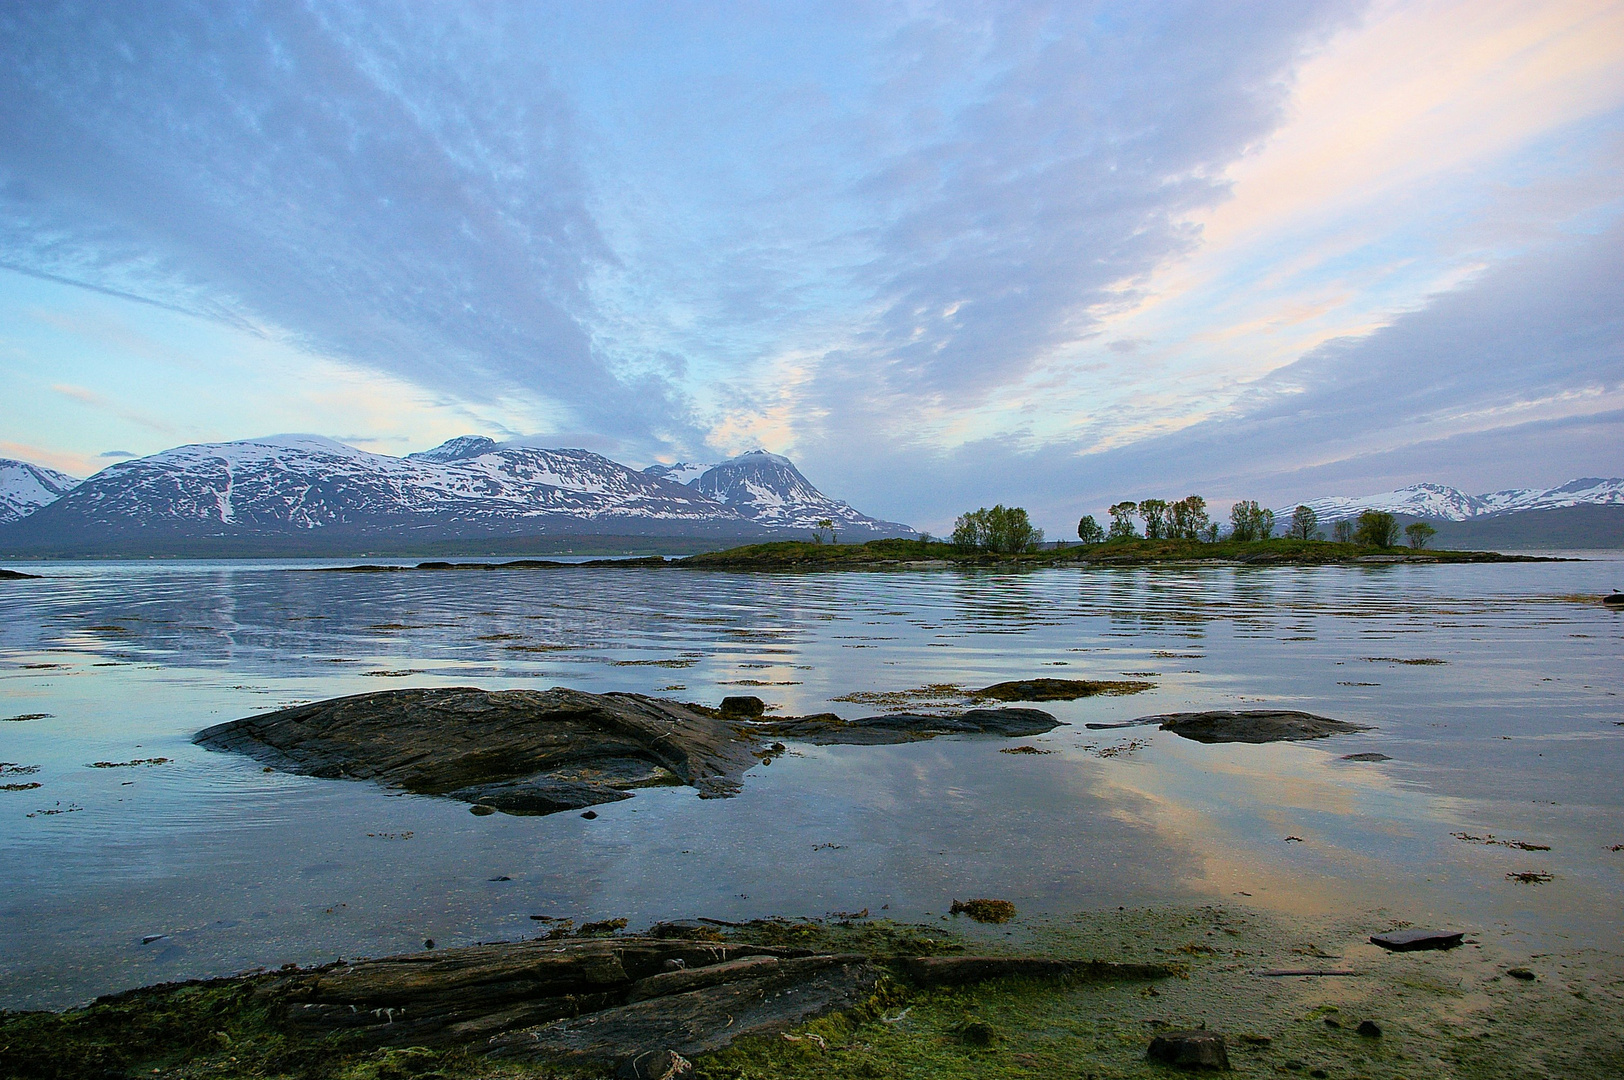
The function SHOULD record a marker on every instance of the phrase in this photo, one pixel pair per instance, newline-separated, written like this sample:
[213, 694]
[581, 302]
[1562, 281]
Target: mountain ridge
[299, 486]
[25, 487]
[1440, 502]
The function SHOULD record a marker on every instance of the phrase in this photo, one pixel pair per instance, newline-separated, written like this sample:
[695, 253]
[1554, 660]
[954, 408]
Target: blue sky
[940, 255]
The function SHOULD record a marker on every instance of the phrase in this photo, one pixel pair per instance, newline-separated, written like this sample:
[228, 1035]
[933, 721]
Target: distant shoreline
[922, 555]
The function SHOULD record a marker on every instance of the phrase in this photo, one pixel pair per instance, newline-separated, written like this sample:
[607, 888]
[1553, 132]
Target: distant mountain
[24, 488]
[1437, 502]
[770, 491]
[309, 493]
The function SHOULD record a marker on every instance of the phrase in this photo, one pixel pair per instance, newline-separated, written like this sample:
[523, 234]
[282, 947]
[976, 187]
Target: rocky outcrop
[616, 999]
[1248, 726]
[519, 751]
[827, 728]
[542, 752]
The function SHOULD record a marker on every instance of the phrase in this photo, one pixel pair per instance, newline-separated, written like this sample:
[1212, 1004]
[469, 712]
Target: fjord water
[205, 864]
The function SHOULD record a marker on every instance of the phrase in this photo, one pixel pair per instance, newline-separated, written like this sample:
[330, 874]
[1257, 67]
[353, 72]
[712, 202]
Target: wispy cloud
[1028, 242]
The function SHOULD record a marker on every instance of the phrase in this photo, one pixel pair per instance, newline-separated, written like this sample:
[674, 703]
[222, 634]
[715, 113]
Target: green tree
[1304, 522]
[1188, 518]
[1089, 531]
[824, 531]
[1209, 535]
[1418, 533]
[1122, 520]
[1376, 528]
[1004, 529]
[1154, 514]
[1249, 521]
[1342, 531]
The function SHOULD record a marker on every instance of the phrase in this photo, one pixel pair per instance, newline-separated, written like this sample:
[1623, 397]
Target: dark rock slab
[1189, 1050]
[522, 751]
[17, 575]
[827, 728]
[962, 970]
[1250, 726]
[1059, 689]
[1413, 940]
[475, 992]
[704, 1019]
[742, 707]
[1366, 757]
[543, 752]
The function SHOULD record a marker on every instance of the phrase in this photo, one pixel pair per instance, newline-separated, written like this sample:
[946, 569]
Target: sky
[940, 255]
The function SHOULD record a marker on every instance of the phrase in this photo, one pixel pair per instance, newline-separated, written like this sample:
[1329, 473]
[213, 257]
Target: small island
[937, 554]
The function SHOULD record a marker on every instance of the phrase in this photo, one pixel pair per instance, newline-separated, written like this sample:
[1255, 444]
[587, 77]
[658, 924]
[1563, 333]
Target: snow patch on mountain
[471, 484]
[25, 487]
[682, 472]
[1440, 502]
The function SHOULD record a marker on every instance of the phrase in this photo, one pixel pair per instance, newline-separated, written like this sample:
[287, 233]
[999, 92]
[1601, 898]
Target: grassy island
[936, 554]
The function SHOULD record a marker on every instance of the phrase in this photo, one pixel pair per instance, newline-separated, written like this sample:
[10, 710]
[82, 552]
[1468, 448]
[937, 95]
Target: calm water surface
[1515, 735]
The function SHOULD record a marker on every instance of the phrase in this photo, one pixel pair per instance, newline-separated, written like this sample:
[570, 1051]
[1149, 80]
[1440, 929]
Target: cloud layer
[943, 254]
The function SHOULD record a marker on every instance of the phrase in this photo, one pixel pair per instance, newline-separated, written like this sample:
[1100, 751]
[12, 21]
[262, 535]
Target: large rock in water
[541, 752]
[521, 751]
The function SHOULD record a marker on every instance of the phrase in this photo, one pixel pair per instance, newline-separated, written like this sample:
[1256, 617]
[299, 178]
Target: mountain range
[25, 488]
[304, 492]
[1436, 502]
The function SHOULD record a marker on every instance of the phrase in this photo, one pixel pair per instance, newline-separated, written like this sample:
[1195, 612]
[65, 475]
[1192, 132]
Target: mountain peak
[459, 449]
[25, 487]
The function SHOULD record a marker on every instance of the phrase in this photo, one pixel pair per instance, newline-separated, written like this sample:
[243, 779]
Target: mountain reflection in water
[1514, 735]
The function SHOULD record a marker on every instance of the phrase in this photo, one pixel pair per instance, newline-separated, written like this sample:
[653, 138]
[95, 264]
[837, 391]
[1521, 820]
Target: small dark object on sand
[590, 815]
[1369, 1028]
[1189, 1050]
[1366, 757]
[1530, 877]
[1521, 973]
[987, 911]
[1413, 940]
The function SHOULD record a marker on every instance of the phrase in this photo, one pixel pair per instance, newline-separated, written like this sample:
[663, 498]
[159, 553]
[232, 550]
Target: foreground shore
[1289, 996]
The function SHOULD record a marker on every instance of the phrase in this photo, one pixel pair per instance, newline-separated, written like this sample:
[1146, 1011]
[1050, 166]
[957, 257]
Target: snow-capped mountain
[25, 488]
[680, 473]
[770, 491]
[1443, 503]
[304, 485]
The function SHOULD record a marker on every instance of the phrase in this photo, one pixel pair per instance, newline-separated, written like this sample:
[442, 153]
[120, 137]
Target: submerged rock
[1058, 689]
[1248, 726]
[543, 752]
[827, 728]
